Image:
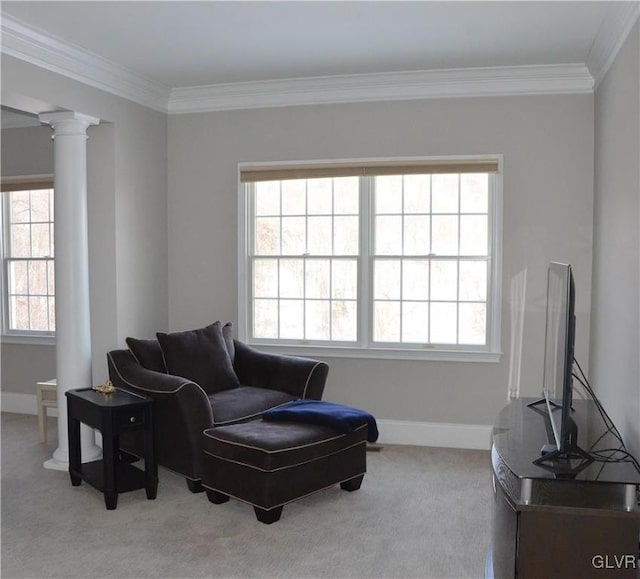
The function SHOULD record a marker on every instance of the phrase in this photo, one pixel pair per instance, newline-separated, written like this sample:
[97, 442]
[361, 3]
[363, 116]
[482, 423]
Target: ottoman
[269, 464]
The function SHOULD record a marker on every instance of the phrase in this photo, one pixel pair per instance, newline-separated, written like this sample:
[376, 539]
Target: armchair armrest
[126, 372]
[181, 410]
[303, 377]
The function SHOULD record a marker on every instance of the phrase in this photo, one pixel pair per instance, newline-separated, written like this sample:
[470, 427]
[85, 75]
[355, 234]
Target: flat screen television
[558, 365]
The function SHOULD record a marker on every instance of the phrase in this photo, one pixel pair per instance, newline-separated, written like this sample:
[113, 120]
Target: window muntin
[422, 276]
[28, 261]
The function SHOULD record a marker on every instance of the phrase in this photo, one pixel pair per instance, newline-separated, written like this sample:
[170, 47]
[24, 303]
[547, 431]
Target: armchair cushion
[148, 354]
[201, 356]
[244, 403]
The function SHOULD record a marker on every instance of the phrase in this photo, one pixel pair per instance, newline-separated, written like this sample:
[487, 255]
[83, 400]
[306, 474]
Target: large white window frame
[365, 347]
[25, 184]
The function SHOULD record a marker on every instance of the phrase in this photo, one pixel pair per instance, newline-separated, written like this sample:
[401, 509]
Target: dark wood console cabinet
[548, 522]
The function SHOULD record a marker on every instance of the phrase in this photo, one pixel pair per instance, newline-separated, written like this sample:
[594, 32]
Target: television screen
[558, 370]
[559, 342]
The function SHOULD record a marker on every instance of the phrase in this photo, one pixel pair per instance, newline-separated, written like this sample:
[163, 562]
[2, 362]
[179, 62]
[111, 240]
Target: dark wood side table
[112, 414]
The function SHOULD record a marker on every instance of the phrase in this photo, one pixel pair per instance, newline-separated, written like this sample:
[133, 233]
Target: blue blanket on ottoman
[340, 417]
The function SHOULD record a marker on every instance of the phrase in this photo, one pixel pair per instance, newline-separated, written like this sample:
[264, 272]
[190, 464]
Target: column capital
[68, 122]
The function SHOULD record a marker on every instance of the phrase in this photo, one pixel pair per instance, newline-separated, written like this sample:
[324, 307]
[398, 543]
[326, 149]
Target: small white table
[47, 395]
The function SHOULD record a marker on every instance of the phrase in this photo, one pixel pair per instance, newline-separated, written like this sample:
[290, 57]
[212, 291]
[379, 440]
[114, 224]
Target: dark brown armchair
[183, 408]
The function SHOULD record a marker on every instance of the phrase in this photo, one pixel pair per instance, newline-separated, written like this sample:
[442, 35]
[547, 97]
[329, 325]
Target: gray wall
[137, 268]
[16, 143]
[127, 204]
[547, 142]
[22, 365]
[548, 145]
[615, 338]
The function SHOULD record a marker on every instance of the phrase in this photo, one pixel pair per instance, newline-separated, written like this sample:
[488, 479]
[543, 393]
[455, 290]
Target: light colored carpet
[421, 512]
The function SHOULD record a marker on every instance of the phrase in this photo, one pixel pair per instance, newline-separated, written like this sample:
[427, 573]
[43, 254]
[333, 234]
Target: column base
[60, 460]
[55, 464]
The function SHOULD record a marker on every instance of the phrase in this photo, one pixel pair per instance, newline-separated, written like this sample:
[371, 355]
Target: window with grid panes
[373, 260]
[28, 259]
[304, 266]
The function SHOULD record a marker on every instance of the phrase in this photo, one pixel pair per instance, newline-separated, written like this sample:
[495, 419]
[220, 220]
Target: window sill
[317, 351]
[32, 340]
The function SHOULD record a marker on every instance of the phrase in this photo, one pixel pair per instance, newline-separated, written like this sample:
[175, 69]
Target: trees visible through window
[305, 259]
[431, 259]
[28, 259]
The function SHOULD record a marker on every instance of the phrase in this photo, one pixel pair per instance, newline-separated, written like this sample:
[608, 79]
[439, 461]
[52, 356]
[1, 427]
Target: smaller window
[28, 259]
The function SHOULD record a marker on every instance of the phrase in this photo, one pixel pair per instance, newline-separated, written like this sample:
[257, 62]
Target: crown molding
[36, 47]
[611, 36]
[462, 82]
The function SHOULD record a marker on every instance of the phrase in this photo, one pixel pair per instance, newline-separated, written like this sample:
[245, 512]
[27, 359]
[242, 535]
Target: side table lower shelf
[128, 477]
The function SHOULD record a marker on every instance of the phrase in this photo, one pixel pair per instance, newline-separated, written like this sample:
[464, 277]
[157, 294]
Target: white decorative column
[73, 330]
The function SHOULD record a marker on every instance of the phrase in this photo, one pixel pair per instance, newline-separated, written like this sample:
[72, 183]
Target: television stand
[540, 401]
[560, 518]
[560, 460]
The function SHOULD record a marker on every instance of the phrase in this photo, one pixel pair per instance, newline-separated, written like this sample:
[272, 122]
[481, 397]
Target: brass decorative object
[106, 388]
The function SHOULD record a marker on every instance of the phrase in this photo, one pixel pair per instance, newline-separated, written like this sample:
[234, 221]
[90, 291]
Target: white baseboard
[442, 434]
[22, 404]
